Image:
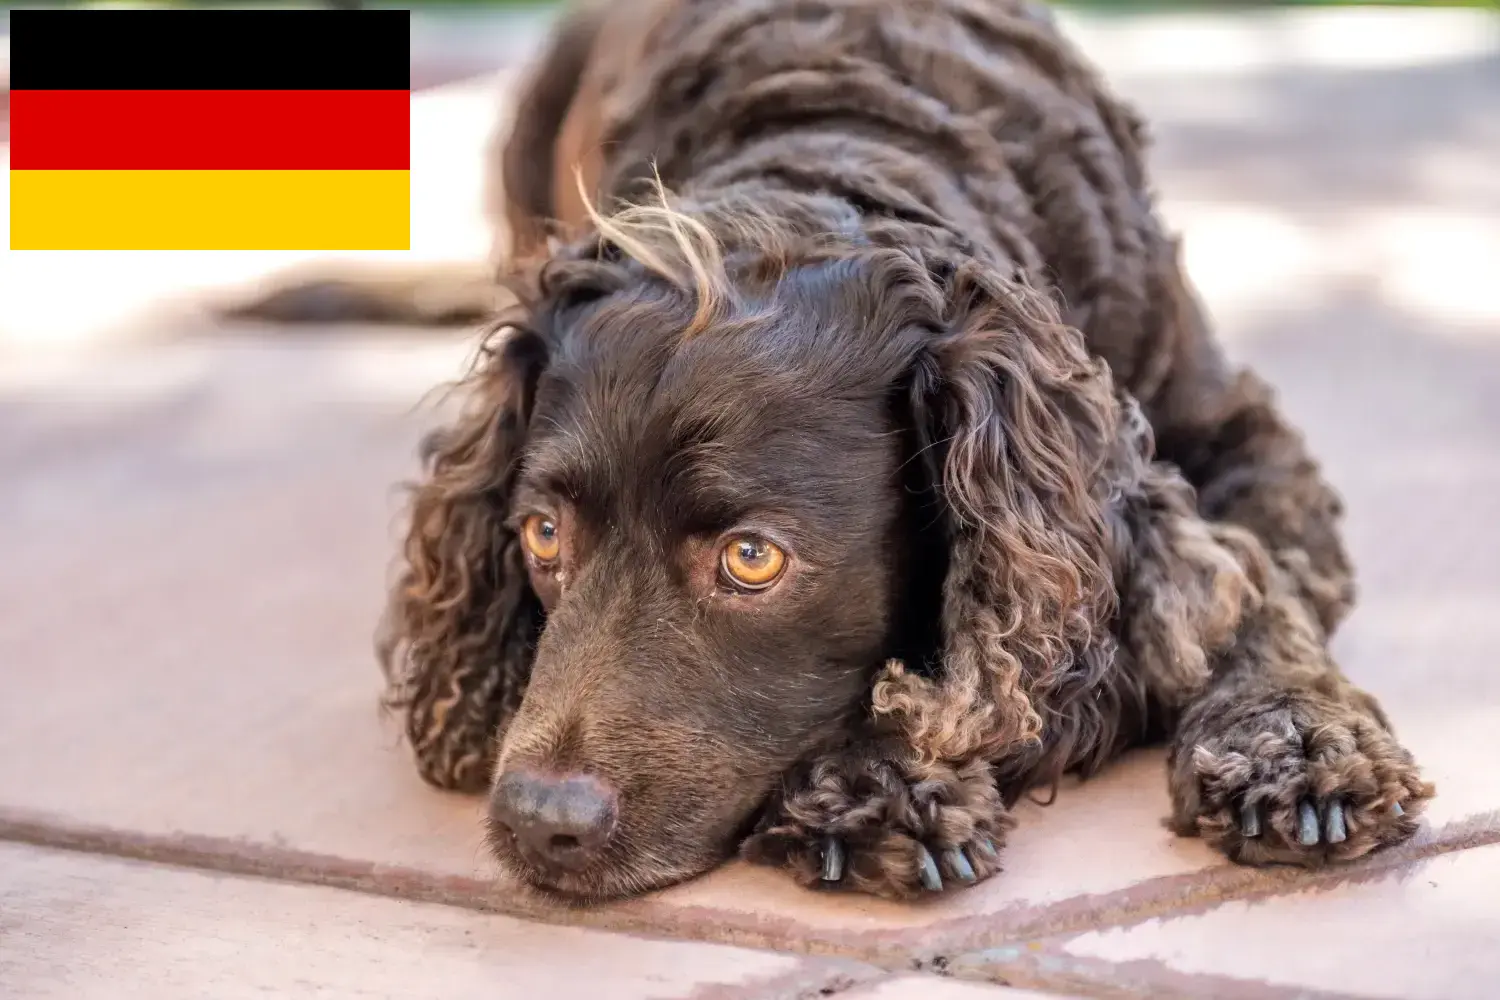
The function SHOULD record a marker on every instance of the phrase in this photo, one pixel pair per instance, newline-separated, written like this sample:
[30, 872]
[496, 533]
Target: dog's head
[702, 498]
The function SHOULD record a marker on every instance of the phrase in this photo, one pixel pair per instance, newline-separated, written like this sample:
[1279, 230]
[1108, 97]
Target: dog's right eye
[540, 535]
[752, 563]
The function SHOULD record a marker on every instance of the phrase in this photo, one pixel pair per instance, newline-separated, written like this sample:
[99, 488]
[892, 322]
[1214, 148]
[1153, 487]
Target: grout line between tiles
[1003, 936]
[1174, 896]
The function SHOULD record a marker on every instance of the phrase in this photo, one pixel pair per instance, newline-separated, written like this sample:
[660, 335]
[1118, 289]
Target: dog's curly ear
[461, 623]
[1017, 422]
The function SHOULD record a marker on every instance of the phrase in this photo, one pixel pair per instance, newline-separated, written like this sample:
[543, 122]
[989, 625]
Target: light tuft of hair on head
[670, 243]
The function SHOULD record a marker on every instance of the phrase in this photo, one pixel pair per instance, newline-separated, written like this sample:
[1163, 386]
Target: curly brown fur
[884, 806]
[910, 315]
[457, 639]
[1280, 731]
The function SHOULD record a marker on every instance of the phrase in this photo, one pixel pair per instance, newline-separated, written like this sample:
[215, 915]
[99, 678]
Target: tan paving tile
[1427, 932]
[76, 927]
[192, 566]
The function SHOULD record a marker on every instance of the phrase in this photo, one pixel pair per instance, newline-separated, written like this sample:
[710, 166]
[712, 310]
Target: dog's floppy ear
[1016, 421]
[461, 624]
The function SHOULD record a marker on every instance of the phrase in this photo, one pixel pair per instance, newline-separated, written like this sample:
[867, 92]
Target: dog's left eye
[541, 537]
[752, 563]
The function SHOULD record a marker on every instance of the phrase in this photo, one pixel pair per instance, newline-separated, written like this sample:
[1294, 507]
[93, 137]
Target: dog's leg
[1252, 468]
[1281, 758]
[1223, 428]
[869, 815]
[1276, 756]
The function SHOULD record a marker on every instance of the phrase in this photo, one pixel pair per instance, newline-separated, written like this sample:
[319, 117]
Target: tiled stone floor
[194, 531]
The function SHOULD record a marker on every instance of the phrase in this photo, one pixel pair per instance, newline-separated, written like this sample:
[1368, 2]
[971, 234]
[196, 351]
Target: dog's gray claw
[986, 847]
[927, 870]
[1307, 824]
[959, 862]
[1333, 823]
[1396, 810]
[1249, 821]
[833, 859]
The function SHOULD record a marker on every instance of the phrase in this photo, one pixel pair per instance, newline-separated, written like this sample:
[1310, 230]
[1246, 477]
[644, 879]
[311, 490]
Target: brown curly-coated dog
[885, 469]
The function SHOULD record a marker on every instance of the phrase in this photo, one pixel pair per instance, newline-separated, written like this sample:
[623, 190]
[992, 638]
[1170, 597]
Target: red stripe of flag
[210, 130]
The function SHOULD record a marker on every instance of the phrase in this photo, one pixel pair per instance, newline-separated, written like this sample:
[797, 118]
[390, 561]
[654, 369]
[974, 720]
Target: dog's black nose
[561, 820]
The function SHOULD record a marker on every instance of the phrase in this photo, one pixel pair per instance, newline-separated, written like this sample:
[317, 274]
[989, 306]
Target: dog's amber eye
[541, 537]
[752, 563]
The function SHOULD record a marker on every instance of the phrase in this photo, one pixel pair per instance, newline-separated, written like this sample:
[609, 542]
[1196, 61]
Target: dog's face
[722, 529]
[692, 534]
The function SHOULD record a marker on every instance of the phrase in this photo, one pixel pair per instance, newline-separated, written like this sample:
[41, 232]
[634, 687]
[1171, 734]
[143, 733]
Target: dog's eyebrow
[725, 482]
[529, 498]
[716, 495]
[564, 466]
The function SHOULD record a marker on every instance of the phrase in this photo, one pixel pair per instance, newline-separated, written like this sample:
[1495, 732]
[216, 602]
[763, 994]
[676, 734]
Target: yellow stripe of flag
[210, 209]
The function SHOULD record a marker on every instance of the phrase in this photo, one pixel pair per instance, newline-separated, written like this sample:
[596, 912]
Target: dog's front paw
[856, 820]
[1302, 780]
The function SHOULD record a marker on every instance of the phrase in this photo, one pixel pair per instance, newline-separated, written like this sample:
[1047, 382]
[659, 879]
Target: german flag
[210, 130]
